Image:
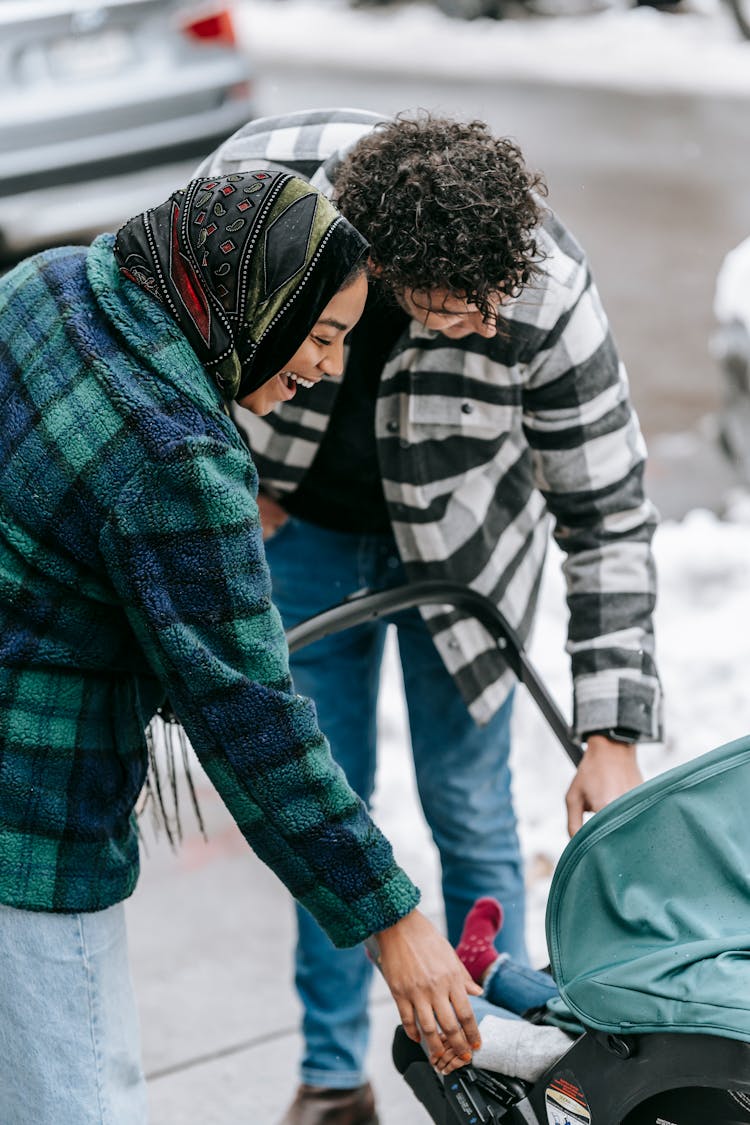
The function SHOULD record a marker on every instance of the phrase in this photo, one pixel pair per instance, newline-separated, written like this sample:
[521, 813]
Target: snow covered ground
[626, 48]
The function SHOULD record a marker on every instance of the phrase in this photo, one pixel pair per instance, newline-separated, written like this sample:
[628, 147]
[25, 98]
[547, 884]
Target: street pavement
[211, 934]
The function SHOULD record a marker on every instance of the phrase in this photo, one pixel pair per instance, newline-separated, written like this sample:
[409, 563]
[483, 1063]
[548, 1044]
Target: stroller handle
[367, 605]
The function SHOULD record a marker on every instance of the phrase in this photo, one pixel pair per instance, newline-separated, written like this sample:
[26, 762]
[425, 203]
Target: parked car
[108, 106]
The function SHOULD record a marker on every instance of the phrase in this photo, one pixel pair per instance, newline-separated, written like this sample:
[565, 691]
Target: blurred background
[636, 115]
[639, 118]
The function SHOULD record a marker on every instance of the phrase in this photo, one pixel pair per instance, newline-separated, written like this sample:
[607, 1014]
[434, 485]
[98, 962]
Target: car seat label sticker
[566, 1103]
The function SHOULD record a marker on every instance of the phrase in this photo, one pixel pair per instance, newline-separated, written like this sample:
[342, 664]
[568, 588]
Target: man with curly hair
[483, 399]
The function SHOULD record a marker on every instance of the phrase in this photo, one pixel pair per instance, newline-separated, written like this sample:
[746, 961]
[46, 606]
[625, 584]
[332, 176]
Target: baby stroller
[648, 929]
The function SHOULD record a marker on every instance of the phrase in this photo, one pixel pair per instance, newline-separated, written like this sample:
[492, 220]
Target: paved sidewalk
[210, 932]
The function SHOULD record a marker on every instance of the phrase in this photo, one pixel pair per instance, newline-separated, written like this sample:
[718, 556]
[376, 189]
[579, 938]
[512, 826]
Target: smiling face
[321, 353]
[442, 311]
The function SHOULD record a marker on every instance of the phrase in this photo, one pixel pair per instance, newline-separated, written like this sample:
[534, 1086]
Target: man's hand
[430, 987]
[607, 770]
[272, 515]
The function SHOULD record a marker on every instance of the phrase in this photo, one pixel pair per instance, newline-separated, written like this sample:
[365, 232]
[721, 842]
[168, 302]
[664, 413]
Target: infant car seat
[648, 928]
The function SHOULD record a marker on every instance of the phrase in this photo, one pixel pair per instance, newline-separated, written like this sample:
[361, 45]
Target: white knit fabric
[519, 1049]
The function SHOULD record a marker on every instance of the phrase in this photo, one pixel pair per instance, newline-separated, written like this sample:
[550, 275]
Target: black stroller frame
[603, 1079]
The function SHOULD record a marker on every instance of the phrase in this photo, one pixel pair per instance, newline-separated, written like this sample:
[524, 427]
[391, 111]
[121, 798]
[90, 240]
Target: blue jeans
[461, 770]
[512, 989]
[69, 1039]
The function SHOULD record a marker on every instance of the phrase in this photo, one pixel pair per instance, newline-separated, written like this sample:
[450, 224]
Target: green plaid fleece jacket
[132, 568]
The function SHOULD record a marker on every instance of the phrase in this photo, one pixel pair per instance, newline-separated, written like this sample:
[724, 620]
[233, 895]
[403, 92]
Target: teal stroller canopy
[648, 920]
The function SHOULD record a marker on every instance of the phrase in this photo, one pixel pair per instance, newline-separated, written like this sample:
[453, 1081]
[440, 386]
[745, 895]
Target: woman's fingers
[408, 1018]
[456, 1020]
[429, 985]
[470, 984]
[465, 1014]
[449, 1029]
[448, 1062]
[434, 1038]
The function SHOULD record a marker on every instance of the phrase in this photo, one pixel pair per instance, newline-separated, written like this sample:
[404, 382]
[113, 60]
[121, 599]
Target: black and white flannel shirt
[482, 441]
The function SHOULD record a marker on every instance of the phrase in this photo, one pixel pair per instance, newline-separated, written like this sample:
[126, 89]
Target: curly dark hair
[444, 205]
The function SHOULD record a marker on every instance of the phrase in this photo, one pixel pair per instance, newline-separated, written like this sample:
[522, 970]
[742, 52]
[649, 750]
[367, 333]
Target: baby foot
[476, 948]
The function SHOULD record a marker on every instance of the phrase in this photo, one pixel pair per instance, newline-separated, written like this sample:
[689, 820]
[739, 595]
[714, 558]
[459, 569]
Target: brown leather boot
[319, 1105]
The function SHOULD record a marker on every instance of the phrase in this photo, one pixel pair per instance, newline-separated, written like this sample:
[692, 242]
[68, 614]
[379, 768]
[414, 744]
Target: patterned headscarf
[245, 263]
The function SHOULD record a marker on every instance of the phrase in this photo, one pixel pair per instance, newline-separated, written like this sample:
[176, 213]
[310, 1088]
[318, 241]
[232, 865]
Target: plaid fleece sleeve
[184, 549]
[589, 457]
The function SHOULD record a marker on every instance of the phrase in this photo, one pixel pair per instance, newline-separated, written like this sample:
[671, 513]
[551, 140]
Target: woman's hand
[448, 1061]
[430, 986]
[272, 515]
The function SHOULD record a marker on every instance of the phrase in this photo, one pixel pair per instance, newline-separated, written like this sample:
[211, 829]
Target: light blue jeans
[462, 773]
[511, 989]
[69, 1039]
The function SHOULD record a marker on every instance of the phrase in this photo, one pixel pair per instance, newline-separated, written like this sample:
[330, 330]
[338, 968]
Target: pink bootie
[476, 948]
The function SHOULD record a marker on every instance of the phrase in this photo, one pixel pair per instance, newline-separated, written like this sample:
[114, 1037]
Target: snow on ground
[703, 644]
[626, 48]
[733, 287]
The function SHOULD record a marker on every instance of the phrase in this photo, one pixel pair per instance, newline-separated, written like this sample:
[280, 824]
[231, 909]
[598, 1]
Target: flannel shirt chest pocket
[443, 416]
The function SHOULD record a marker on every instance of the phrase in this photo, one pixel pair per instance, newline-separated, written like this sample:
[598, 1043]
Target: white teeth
[307, 383]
